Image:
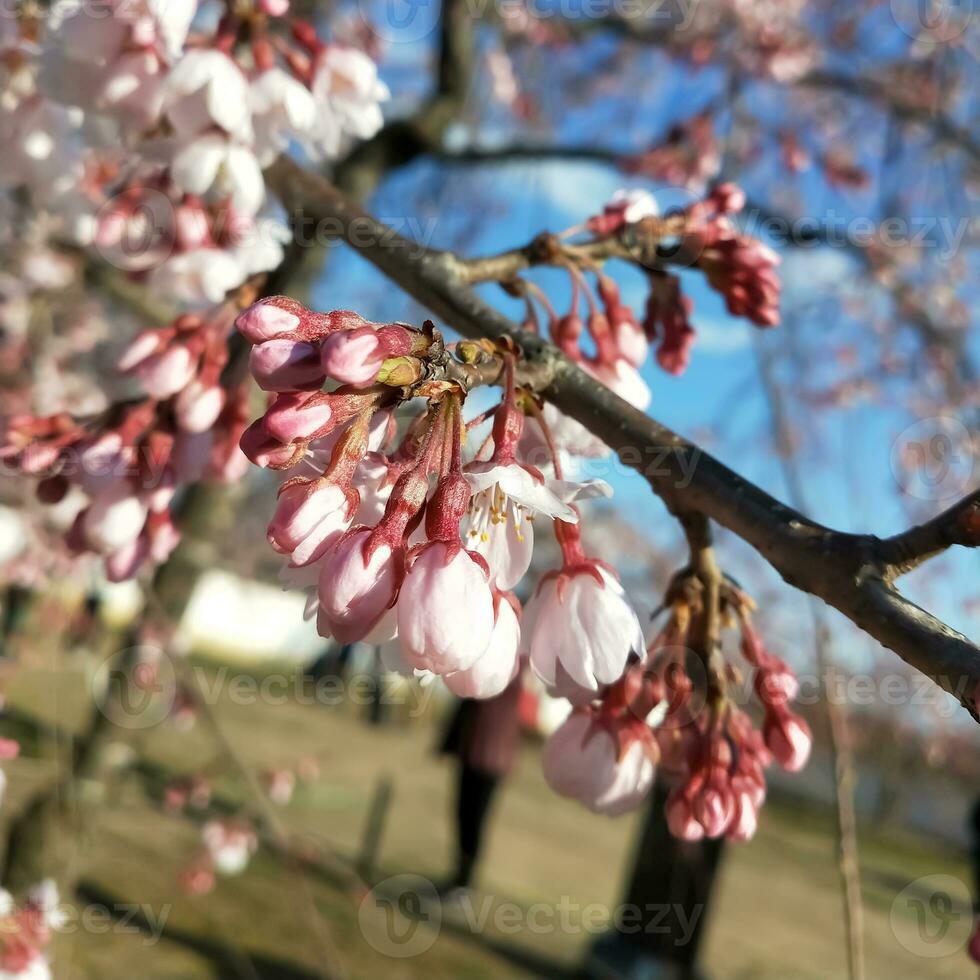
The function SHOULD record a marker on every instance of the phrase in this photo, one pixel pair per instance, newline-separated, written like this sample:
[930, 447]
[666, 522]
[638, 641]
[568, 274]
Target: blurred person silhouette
[483, 735]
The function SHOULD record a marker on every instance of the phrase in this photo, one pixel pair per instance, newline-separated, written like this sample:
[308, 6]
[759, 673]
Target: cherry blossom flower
[580, 618]
[309, 517]
[282, 109]
[499, 664]
[445, 609]
[214, 166]
[198, 278]
[788, 738]
[506, 496]
[584, 760]
[206, 88]
[356, 586]
[346, 84]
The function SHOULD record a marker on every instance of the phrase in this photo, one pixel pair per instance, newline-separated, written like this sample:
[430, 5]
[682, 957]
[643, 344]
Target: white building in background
[240, 619]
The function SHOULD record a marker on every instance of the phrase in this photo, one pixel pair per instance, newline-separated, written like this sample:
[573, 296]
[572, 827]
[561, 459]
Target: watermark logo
[931, 916]
[401, 916]
[137, 688]
[933, 459]
[941, 20]
[401, 21]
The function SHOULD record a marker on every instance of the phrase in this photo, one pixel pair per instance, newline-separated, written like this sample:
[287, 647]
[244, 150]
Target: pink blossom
[352, 357]
[309, 517]
[582, 620]
[297, 415]
[347, 87]
[125, 562]
[445, 609]
[265, 320]
[200, 277]
[206, 88]
[282, 109]
[198, 406]
[625, 381]
[506, 496]
[218, 168]
[680, 817]
[285, 365]
[230, 847]
[164, 374]
[142, 346]
[745, 819]
[582, 760]
[114, 519]
[498, 664]
[713, 805]
[788, 738]
[354, 589]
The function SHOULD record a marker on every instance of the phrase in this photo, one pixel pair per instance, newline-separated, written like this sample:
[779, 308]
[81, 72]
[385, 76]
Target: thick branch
[845, 570]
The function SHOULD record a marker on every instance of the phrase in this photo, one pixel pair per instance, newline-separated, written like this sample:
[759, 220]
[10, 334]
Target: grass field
[776, 915]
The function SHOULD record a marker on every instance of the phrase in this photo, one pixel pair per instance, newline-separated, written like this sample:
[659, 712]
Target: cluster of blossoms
[673, 708]
[118, 474]
[142, 130]
[739, 267]
[146, 125]
[227, 848]
[702, 236]
[716, 754]
[26, 930]
[407, 544]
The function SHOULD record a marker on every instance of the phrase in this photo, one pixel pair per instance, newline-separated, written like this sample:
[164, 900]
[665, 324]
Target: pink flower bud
[297, 415]
[775, 683]
[114, 519]
[198, 406]
[445, 609]
[581, 760]
[631, 341]
[745, 819]
[355, 591]
[713, 807]
[285, 365]
[164, 536]
[267, 319]
[788, 738]
[164, 374]
[353, 357]
[313, 512]
[728, 198]
[262, 448]
[144, 344]
[583, 621]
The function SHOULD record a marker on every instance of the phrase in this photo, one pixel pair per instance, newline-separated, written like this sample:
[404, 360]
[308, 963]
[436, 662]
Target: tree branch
[959, 524]
[848, 571]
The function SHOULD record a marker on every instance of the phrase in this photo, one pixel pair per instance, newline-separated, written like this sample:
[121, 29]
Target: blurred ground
[777, 914]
